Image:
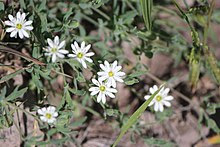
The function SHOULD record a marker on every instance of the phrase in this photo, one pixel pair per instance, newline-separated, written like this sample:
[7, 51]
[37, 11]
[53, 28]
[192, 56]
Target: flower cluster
[106, 83]
[162, 98]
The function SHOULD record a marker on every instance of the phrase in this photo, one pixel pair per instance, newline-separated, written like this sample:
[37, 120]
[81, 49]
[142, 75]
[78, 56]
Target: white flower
[162, 98]
[111, 73]
[48, 114]
[103, 90]
[18, 25]
[55, 48]
[80, 53]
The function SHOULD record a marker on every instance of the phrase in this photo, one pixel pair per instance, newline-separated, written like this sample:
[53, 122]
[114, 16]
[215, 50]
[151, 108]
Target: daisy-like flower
[162, 98]
[111, 73]
[102, 90]
[80, 53]
[55, 49]
[48, 114]
[18, 25]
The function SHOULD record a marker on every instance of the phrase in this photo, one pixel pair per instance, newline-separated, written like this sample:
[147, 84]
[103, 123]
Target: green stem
[18, 108]
[206, 28]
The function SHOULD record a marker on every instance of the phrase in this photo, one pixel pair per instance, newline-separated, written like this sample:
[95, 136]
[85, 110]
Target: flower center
[80, 55]
[110, 74]
[159, 98]
[102, 88]
[19, 26]
[48, 115]
[54, 50]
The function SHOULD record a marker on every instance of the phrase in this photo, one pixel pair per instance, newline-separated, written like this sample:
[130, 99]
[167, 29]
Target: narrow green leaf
[134, 117]
[146, 8]
[16, 93]
[10, 76]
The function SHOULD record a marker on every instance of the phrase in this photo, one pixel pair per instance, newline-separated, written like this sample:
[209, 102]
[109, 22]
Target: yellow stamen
[80, 55]
[159, 98]
[110, 74]
[102, 88]
[48, 115]
[19, 26]
[54, 50]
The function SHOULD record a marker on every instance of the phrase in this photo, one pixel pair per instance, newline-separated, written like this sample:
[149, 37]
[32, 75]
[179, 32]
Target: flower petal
[61, 44]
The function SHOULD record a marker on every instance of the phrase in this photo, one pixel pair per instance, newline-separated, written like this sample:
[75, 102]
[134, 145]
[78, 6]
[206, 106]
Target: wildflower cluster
[108, 76]
[106, 83]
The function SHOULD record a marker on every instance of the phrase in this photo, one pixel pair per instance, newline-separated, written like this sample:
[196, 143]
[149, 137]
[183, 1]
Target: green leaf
[158, 142]
[146, 8]
[212, 125]
[10, 76]
[135, 117]
[3, 93]
[78, 123]
[131, 81]
[16, 93]
[2, 6]
[137, 74]
[22, 4]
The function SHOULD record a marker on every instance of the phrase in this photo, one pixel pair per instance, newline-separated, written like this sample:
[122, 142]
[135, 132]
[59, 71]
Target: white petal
[103, 78]
[88, 59]
[113, 83]
[166, 103]
[84, 64]
[94, 81]
[27, 23]
[60, 55]
[55, 114]
[156, 106]
[21, 35]
[25, 33]
[117, 68]
[87, 48]
[23, 15]
[103, 98]
[110, 94]
[120, 74]
[14, 33]
[61, 44]
[71, 55]
[50, 42]
[54, 57]
[114, 64]
[161, 107]
[90, 54]
[168, 98]
[94, 92]
[56, 40]
[76, 45]
[51, 109]
[118, 79]
[44, 119]
[107, 64]
[93, 88]
[103, 67]
[9, 23]
[102, 73]
[99, 97]
[11, 18]
[63, 51]
[28, 28]
[18, 15]
[52, 120]
[111, 90]
[73, 48]
[10, 29]
[146, 97]
[83, 45]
